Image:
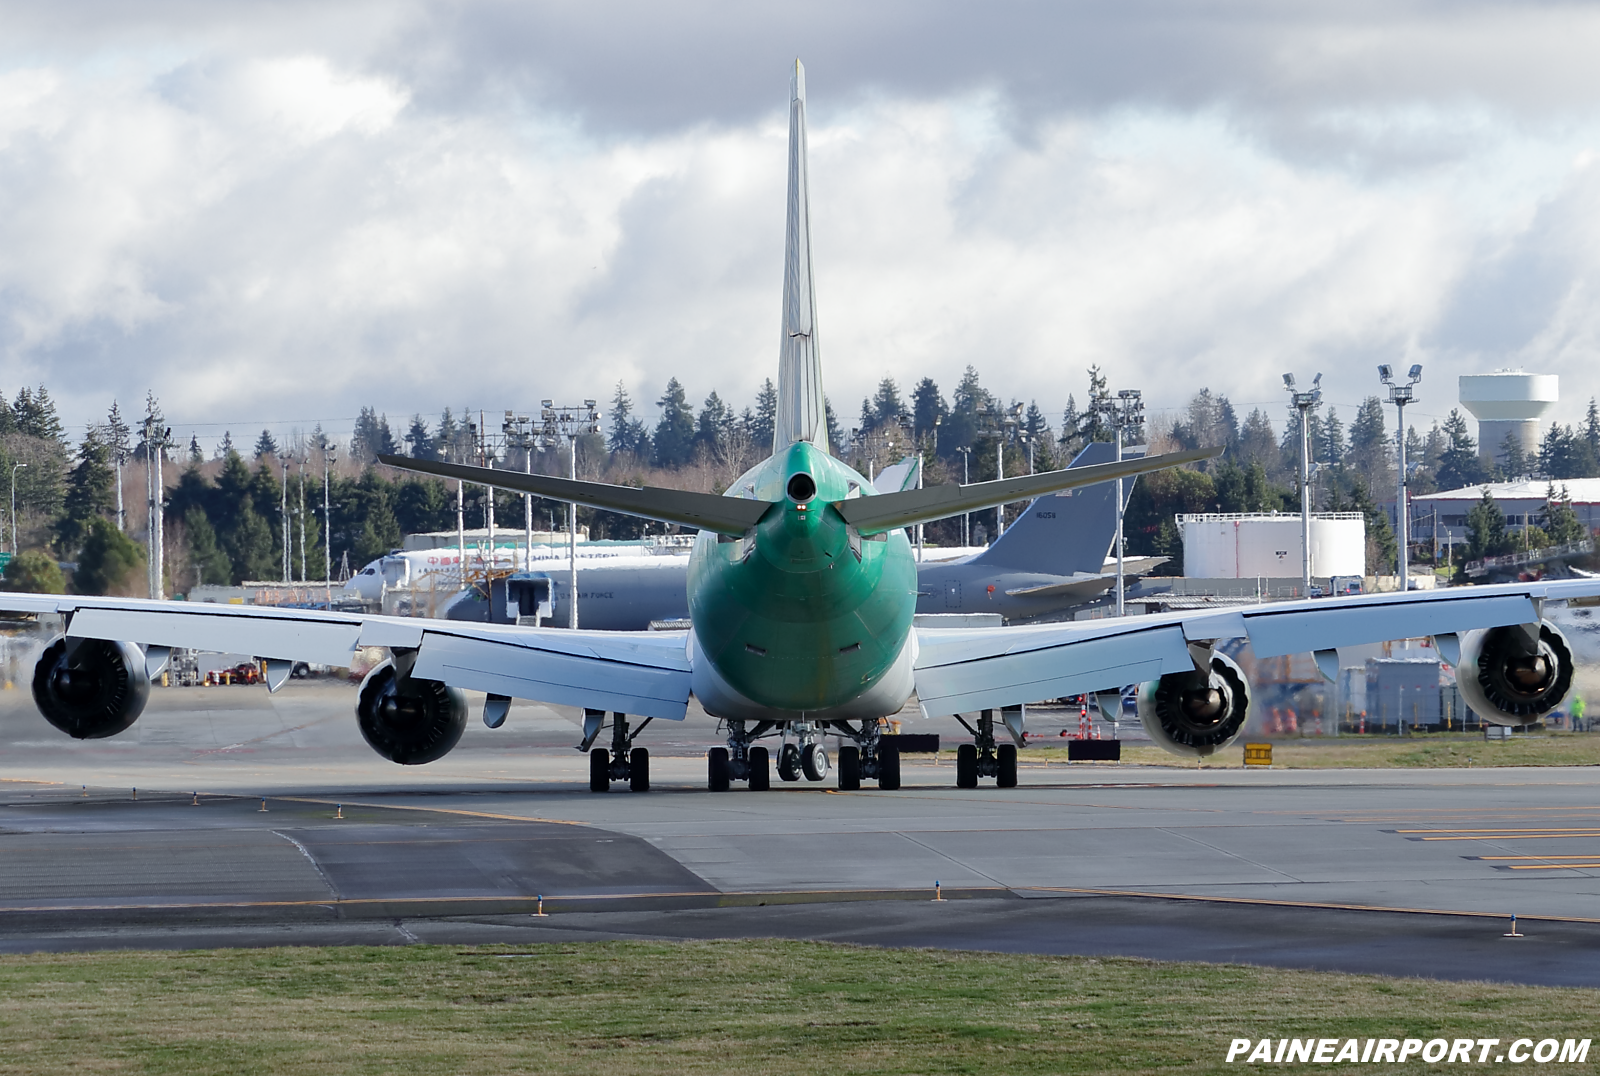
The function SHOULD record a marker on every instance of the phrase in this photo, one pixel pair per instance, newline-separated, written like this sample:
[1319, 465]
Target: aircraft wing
[887, 511]
[643, 673]
[961, 670]
[732, 516]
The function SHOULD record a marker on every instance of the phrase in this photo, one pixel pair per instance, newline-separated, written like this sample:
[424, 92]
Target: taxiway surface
[1270, 867]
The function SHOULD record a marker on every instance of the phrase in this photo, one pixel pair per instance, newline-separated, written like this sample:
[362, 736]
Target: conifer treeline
[225, 515]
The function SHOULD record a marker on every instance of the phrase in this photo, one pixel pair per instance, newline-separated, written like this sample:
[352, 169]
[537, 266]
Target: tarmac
[1412, 872]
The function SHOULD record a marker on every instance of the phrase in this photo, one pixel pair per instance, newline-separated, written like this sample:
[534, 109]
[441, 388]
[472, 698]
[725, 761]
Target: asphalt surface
[1402, 872]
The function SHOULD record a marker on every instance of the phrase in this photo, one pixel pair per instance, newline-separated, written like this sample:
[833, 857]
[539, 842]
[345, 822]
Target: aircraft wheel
[599, 770]
[967, 766]
[814, 760]
[789, 763]
[888, 769]
[639, 770]
[1006, 756]
[717, 765]
[760, 773]
[849, 769]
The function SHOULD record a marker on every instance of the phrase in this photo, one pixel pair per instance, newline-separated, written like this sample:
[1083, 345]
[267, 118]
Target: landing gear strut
[623, 761]
[867, 759]
[983, 758]
[739, 761]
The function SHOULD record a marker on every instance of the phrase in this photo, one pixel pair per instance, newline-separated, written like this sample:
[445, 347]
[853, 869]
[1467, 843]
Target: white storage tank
[1249, 545]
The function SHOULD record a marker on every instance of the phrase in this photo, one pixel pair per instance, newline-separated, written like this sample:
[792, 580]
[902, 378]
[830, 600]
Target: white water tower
[1508, 402]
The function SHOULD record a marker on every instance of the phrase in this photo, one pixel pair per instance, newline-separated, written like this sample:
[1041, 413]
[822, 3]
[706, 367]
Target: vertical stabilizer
[802, 415]
[1066, 533]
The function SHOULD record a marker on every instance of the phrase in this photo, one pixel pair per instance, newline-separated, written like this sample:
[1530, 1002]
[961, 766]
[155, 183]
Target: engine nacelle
[99, 691]
[410, 721]
[1194, 714]
[1509, 681]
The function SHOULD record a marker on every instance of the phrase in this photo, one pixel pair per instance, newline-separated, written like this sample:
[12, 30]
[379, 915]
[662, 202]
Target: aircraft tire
[599, 770]
[760, 770]
[814, 761]
[789, 763]
[967, 766]
[889, 769]
[639, 770]
[849, 769]
[1006, 756]
[717, 769]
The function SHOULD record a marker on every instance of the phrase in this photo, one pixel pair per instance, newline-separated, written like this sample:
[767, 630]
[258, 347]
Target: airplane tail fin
[802, 413]
[1066, 533]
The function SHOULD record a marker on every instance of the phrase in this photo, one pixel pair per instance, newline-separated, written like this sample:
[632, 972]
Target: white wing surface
[643, 673]
[959, 671]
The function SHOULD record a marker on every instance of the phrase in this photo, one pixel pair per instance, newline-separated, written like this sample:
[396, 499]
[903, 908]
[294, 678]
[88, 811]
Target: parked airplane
[411, 568]
[1050, 560]
[802, 587]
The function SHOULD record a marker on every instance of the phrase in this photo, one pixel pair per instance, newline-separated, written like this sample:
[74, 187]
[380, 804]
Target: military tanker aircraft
[801, 589]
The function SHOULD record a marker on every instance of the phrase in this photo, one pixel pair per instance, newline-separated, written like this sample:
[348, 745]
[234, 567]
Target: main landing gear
[623, 761]
[868, 758]
[982, 757]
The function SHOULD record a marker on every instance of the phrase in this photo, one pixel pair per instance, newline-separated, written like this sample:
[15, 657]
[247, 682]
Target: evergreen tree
[1040, 436]
[118, 437]
[210, 562]
[8, 417]
[1227, 422]
[33, 571]
[110, 563]
[1368, 454]
[715, 424]
[1071, 442]
[887, 408]
[1383, 547]
[1591, 427]
[1094, 426]
[927, 409]
[766, 424]
[225, 446]
[266, 445]
[1258, 444]
[674, 437]
[372, 437]
[154, 423]
[623, 438]
[1486, 529]
[448, 438]
[1559, 521]
[91, 494]
[1459, 465]
[248, 541]
[420, 444]
[195, 454]
[36, 416]
[1513, 461]
[1332, 447]
[835, 431]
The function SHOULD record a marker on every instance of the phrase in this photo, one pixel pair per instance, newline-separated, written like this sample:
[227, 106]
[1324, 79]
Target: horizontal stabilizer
[872, 515]
[732, 516]
[1087, 586]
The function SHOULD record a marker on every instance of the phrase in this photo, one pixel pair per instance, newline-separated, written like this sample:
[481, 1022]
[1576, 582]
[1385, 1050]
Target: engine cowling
[1194, 714]
[1508, 681]
[410, 721]
[99, 691]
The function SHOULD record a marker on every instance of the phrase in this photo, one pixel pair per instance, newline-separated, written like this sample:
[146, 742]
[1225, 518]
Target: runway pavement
[1269, 867]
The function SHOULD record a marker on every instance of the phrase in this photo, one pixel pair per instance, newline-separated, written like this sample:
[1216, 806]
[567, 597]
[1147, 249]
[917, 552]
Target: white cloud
[276, 227]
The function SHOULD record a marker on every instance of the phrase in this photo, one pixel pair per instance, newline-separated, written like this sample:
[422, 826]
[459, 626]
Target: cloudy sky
[273, 214]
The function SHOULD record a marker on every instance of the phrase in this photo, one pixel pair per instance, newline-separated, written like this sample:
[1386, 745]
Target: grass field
[1424, 749]
[769, 1007]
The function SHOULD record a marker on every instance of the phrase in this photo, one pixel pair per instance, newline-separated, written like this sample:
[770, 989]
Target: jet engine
[410, 721]
[1509, 677]
[97, 690]
[1193, 713]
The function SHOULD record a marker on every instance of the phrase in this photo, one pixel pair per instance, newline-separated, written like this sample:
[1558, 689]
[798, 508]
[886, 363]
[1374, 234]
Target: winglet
[802, 412]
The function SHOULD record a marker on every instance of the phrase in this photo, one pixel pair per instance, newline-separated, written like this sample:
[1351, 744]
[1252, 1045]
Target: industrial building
[1445, 514]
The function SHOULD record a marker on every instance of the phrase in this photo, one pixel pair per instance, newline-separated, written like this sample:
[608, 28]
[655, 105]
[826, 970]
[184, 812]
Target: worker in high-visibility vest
[1577, 713]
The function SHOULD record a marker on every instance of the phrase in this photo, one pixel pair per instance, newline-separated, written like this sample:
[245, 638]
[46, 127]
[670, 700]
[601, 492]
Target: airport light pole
[304, 460]
[1123, 412]
[570, 423]
[283, 512]
[519, 434]
[156, 440]
[330, 456]
[1305, 403]
[14, 469]
[966, 517]
[1400, 395]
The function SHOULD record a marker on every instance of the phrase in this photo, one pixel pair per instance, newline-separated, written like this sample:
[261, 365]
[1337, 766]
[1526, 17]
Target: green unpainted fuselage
[803, 613]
